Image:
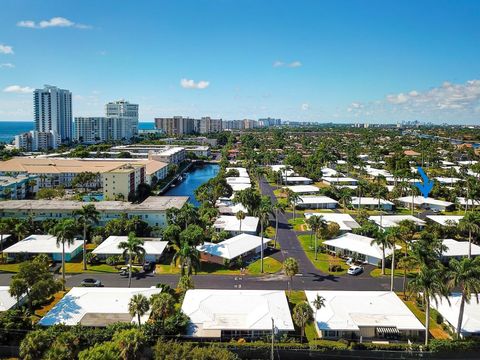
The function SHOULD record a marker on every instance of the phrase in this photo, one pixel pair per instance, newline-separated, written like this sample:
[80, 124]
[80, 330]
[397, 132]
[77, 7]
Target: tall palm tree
[382, 241]
[465, 275]
[188, 257]
[345, 197]
[65, 231]
[138, 305]
[290, 266]
[407, 230]
[3, 231]
[163, 305]
[429, 282]
[87, 215]
[470, 223]
[279, 208]
[302, 314]
[318, 225]
[293, 199]
[22, 227]
[240, 215]
[393, 235]
[318, 303]
[131, 248]
[263, 213]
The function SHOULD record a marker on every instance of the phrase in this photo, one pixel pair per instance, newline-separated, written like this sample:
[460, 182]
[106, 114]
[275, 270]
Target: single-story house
[364, 315]
[227, 207]
[425, 203]
[282, 170]
[230, 223]
[7, 301]
[303, 189]
[154, 248]
[345, 221]
[297, 180]
[447, 180]
[471, 203]
[239, 187]
[458, 249]
[450, 312]
[372, 203]
[387, 221]
[96, 306]
[373, 172]
[328, 172]
[226, 314]
[445, 219]
[357, 246]
[242, 172]
[335, 180]
[238, 180]
[44, 244]
[316, 202]
[240, 246]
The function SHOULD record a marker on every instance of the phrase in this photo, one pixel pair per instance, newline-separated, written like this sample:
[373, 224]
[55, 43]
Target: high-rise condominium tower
[128, 117]
[53, 112]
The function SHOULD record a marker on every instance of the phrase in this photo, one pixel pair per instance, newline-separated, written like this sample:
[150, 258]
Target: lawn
[323, 260]
[398, 273]
[295, 297]
[436, 330]
[13, 268]
[77, 267]
[298, 224]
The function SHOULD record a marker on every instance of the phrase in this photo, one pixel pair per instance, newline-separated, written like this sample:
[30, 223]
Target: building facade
[36, 141]
[122, 181]
[179, 125]
[53, 112]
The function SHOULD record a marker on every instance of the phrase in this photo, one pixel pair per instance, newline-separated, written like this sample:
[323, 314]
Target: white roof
[442, 219]
[231, 223]
[345, 221]
[447, 180]
[350, 310]
[450, 312]
[239, 187]
[468, 162]
[42, 244]
[359, 244]
[459, 248]
[387, 221]
[334, 179]
[238, 180]
[103, 305]
[329, 172]
[110, 246]
[376, 172]
[242, 172]
[420, 200]
[303, 188]
[6, 300]
[463, 202]
[227, 207]
[369, 201]
[281, 168]
[211, 311]
[5, 237]
[233, 247]
[317, 200]
[290, 179]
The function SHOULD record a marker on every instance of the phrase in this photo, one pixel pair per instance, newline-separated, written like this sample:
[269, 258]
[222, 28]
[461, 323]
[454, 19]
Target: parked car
[149, 266]
[349, 261]
[91, 283]
[355, 270]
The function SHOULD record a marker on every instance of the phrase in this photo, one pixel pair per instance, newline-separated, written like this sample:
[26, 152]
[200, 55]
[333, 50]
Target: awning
[392, 330]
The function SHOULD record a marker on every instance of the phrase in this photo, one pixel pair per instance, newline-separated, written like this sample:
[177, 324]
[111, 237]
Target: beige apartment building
[119, 183]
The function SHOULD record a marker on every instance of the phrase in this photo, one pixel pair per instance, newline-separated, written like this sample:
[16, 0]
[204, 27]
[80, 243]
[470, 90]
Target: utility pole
[273, 339]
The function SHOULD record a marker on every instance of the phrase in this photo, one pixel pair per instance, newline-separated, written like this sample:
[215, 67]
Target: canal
[195, 177]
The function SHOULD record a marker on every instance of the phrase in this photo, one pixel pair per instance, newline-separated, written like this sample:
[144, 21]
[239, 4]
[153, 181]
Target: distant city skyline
[345, 61]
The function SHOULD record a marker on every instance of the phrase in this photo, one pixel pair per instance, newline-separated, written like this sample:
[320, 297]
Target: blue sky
[361, 61]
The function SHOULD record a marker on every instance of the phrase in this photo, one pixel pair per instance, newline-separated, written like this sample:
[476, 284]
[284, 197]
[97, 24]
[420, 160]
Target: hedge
[437, 345]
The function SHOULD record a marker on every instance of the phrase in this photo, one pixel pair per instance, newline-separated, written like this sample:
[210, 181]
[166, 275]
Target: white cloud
[293, 64]
[305, 106]
[6, 49]
[6, 66]
[53, 22]
[17, 89]
[190, 84]
[397, 99]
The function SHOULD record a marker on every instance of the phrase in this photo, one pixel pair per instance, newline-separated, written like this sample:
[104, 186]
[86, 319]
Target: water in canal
[195, 177]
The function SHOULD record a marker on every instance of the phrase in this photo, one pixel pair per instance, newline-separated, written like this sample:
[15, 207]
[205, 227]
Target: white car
[355, 270]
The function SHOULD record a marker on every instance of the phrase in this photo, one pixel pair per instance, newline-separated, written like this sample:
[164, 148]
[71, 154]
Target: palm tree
[382, 241]
[131, 248]
[65, 231]
[240, 215]
[279, 208]
[407, 230]
[318, 225]
[22, 228]
[3, 230]
[302, 314]
[470, 223]
[429, 281]
[163, 305]
[290, 266]
[465, 275]
[293, 199]
[138, 305]
[345, 197]
[318, 303]
[87, 215]
[393, 236]
[188, 257]
[263, 214]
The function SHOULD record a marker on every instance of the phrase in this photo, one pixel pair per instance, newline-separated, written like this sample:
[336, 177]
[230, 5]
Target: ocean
[8, 129]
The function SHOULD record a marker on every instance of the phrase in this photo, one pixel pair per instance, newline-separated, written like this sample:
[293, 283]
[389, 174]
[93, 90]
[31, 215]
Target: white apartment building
[53, 112]
[36, 140]
[92, 130]
[179, 125]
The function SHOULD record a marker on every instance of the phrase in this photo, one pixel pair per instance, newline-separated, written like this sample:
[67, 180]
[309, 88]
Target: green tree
[103, 351]
[88, 215]
[470, 224]
[382, 241]
[318, 303]
[302, 314]
[240, 215]
[290, 267]
[131, 343]
[293, 199]
[163, 305]
[263, 213]
[65, 232]
[394, 236]
[279, 208]
[138, 305]
[465, 275]
[131, 248]
[35, 344]
[64, 347]
[4, 228]
[188, 257]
